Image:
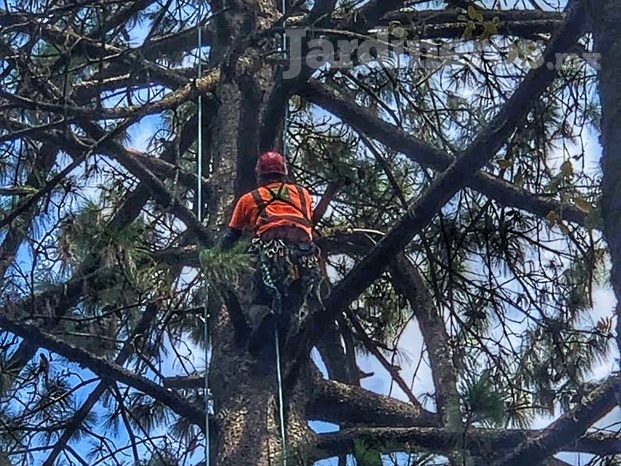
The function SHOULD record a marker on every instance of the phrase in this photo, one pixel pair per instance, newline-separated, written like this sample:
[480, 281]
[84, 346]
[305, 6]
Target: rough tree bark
[244, 390]
[606, 15]
[244, 398]
[243, 89]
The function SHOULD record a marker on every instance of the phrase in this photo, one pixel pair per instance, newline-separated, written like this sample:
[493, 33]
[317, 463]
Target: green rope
[277, 310]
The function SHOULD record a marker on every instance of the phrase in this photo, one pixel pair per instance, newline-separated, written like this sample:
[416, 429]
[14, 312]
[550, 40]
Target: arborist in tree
[279, 216]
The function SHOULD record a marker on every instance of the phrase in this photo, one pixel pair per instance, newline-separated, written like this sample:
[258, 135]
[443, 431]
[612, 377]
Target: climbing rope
[267, 279]
[199, 150]
[206, 330]
[286, 117]
[199, 206]
[277, 304]
[281, 403]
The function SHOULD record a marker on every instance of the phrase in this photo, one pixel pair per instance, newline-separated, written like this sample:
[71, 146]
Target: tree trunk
[606, 15]
[246, 83]
[245, 390]
[245, 394]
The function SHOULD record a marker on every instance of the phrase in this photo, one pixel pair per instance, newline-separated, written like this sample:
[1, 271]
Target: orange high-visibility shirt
[274, 205]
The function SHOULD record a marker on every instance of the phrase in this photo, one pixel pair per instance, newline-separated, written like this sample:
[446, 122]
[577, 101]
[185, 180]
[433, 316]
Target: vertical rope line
[281, 402]
[281, 407]
[206, 328]
[284, 51]
[199, 150]
[199, 205]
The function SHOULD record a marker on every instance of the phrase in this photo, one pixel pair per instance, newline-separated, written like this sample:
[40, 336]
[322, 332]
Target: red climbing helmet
[271, 162]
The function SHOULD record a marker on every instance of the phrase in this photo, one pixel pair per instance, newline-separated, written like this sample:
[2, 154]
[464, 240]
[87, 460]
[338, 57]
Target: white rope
[206, 329]
[281, 403]
[284, 51]
[199, 150]
[199, 202]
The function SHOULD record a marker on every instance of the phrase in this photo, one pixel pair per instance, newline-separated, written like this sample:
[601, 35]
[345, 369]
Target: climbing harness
[282, 195]
[264, 256]
[280, 264]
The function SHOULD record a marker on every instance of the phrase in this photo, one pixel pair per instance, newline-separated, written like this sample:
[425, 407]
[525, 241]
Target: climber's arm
[239, 221]
[230, 238]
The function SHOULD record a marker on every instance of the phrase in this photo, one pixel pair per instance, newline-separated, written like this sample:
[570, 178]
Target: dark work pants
[292, 299]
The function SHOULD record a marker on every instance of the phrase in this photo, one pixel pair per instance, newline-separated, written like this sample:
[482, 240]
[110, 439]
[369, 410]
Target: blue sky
[410, 342]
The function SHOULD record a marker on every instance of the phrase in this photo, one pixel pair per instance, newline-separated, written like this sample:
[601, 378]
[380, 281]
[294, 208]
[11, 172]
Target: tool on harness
[289, 273]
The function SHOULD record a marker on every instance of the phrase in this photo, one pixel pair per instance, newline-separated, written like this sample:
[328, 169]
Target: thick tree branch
[370, 15]
[486, 443]
[445, 24]
[104, 369]
[182, 40]
[458, 175]
[170, 101]
[126, 351]
[339, 402]
[418, 151]
[340, 365]
[446, 18]
[569, 427]
[408, 281]
[185, 382]
[320, 210]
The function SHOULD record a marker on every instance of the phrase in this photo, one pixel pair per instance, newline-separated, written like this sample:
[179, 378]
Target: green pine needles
[225, 268]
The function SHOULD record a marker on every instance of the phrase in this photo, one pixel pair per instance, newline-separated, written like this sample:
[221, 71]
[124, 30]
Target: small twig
[372, 347]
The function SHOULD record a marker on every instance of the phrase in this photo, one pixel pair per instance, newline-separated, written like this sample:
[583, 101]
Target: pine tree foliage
[107, 271]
